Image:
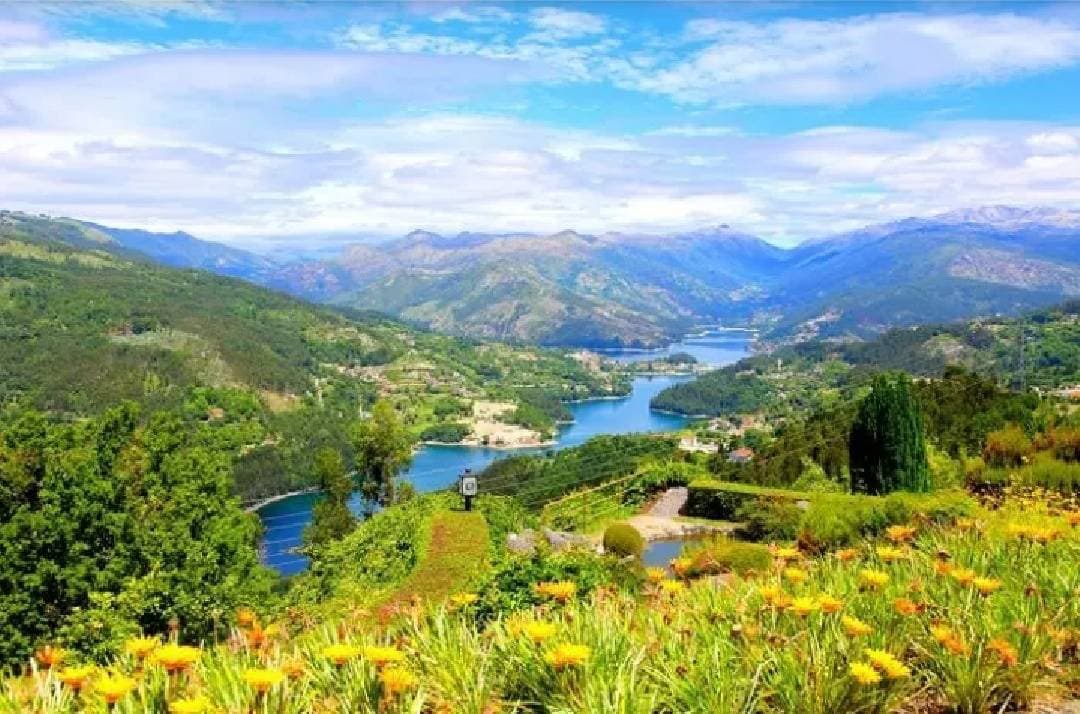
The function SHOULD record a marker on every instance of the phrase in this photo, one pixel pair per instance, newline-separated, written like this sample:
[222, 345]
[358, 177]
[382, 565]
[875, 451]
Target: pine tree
[331, 517]
[887, 451]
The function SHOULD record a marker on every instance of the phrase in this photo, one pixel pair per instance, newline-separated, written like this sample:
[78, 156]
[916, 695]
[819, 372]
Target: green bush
[623, 539]
[448, 433]
[721, 500]
[723, 555]
[769, 518]
[1052, 474]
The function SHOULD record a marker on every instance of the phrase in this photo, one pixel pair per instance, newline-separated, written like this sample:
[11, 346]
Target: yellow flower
[561, 591]
[340, 653]
[864, 673]
[245, 617]
[847, 554]
[655, 575]
[873, 578]
[293, 668]
[787, 553]
[672, 586]
[174, 658]
[681, 566]
[948, 639]
[966, 524]
[855, 627]
[1073, 518]
[803, 606]
[565, 656]
[464, 599]
[795, 575]
[537, 632]
[828, 604]
[887, 663]
[775, 597]
[889, 554]
[382, 656]
[49, 656]
[964, 576]
[113, 688]
[986, 586]
[198, 705]
[396, 680]
[140, 647]
[261, 680]
[75, 677]
[900, 534]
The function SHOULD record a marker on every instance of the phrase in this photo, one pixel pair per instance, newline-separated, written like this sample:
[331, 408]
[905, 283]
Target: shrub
[448, 433]
[1051, 474]
[720, 500]
[623, 539]
[723, 555]
[1007, 447]
[769, 518]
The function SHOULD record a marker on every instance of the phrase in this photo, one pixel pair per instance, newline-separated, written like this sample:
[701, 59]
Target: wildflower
[74, 678]
[293, 668]
[847, 554]
[396, 680]
[245, 617]
[49, 656]
[887, 663]
[274, 630]
[964, 576]
[795, 575]
[256, 636]
[261, 680]
[672, 586]
[537, 632]
[382, 656]
[464, 599]
[986, 586]
[803, 606]
[828, 604]
[948, 639]
[140, 647]
[863, 673]
[1044, 535]
[340, 653]
[966, 524]
[905, 607]
[1073, 518]
[198, 705]
[655, 575]
[943, 568]
[889, 554]
[855, 627]
[1005, 651]
[775, 597]
[787, 553]
[565, 656]
[873, 579]
[561, 591]
[113, 688]
[900, 534]
[176, 658]
[681, 566]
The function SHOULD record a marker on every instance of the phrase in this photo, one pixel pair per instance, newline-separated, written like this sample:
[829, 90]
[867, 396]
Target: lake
[436, 467]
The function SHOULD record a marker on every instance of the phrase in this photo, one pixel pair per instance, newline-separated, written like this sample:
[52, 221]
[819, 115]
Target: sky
[267, 125]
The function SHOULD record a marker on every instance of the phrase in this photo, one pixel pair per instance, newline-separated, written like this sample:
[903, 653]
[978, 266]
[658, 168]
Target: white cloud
[566, 23]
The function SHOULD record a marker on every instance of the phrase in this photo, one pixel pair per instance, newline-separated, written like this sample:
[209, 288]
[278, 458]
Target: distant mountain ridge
[641, 290]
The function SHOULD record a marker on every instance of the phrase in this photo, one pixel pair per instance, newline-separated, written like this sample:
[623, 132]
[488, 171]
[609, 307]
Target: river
[436, 467]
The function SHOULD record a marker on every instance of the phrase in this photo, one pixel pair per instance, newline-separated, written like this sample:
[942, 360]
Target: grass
[454, 553]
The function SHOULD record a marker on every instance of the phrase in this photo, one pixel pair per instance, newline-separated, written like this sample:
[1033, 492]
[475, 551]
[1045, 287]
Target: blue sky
[268, 124]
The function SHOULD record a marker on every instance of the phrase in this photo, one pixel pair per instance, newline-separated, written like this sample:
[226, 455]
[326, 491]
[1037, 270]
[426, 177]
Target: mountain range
[636, 290]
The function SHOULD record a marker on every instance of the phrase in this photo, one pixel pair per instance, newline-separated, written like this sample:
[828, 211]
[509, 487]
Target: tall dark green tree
[383, 449]
[331, 517]
[887, 447]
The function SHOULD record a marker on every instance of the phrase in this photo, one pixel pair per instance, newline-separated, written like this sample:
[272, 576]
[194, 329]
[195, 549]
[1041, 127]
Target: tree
[331, 517]
[887, 451]
[383, 449]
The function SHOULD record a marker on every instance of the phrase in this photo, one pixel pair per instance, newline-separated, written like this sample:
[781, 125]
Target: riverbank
[263, 503]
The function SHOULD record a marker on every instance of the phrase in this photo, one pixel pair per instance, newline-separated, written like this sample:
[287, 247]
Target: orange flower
[900, 534]
[847, 554]
[340, 653]
[565, 656]
[293, 668]
[943, 568]
[1005, 651]
[795, 575]
[948, 639]
[803, 606]
[396, 680]
[140, 647]
[245, 617]
[49, 656]
[905, 607]
[829, 604]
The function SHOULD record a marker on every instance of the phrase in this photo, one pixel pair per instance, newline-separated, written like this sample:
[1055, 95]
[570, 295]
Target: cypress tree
[887, 451]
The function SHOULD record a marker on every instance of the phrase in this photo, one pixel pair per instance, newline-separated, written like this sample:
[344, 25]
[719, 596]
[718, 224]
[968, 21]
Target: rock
[560, 540]
[523, 543]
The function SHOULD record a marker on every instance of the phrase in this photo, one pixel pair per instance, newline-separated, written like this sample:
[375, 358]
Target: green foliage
[383, 448]
[122, 524]
[454, 556]
[769, 518]
[1007, 447]
[331, 518]
[719, 500]
[722, 555]
[725, 391]
[887, 451]
[813, 479]
[446, 433]
[623, 540]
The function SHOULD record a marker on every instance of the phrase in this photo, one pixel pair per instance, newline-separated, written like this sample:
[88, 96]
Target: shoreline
[504, 447]
[263, 503]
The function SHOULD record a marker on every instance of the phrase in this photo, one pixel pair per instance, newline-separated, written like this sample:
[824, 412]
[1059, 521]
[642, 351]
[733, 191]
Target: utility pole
[467, 487]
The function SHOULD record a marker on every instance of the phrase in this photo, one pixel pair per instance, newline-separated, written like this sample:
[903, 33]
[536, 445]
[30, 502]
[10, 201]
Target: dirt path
[455, 552]
[659, 522]
[669, 505]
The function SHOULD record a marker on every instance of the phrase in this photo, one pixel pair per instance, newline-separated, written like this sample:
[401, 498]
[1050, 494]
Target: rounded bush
[623, 539]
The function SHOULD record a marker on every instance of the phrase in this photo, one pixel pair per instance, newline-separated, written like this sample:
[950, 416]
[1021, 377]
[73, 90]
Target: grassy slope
[454, 554]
